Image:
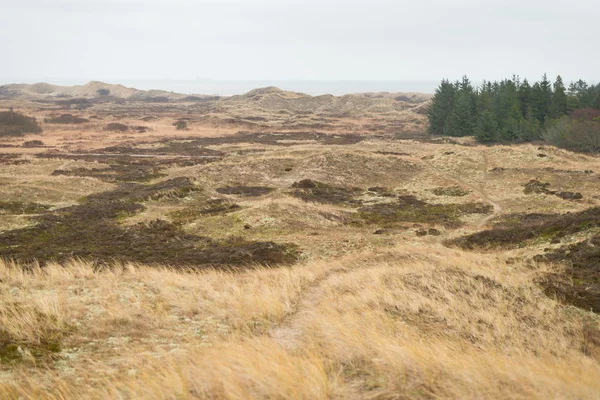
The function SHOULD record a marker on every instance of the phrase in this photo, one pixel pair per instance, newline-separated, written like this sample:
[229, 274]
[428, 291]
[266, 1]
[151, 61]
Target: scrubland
[261, 258]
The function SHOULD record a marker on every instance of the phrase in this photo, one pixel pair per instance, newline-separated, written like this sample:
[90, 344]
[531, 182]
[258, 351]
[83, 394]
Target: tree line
[512, 110]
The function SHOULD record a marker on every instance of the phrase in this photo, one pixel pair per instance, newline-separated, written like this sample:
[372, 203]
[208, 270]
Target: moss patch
[42, 348]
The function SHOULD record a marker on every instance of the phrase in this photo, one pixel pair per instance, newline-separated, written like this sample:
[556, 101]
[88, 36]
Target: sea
[233, 87]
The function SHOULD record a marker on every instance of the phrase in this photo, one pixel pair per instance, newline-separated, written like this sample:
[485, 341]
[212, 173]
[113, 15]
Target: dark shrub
[80, 104]
[33, 143]
[103, 92]
[581, 134]
[157, 99]
[66, 119]
[16, 124]
[585, 114]
[116, 127]
[314, 191]
[246, 191]
[180, 125]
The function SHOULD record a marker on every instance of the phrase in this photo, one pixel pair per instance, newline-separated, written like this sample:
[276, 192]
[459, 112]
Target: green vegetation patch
[17, 124]
[453, 191]
[16, 351]
[381, 191]
[410, 209]
[319, 192]
[41, 349]
[21, 208]
[91, 231]
[246, 191]
[212, 207]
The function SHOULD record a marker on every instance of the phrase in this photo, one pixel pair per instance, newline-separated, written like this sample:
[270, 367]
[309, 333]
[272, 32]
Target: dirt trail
[476, 188]
[288, 333]
[497, 207]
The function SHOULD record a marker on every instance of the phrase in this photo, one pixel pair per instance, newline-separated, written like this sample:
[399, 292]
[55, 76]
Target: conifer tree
[524, 94]
[530, 127]
[461, 120]
[441, 107]
[538, 103]
[486, 130]
[509, 110]
[558, 105]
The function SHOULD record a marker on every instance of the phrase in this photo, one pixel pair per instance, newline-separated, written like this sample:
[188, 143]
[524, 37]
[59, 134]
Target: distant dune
[269, 102]
[91, 90]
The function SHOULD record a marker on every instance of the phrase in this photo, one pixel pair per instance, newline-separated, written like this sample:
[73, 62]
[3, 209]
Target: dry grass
[362, 315]
[402, 323]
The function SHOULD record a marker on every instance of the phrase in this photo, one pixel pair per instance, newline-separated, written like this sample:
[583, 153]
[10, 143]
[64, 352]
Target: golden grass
[363, 316]
[410, 322]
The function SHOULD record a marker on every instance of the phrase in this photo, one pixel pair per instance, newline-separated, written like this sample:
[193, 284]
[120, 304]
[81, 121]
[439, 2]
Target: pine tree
[524, 95]
[465, 86]
[506, 105]
[461, 120]
[544, 98]
[441, 107]
[511, 131]
[581, 90]
[530, 127]
[538, 103]
[558, 105]
[484, 100]
[486, 130]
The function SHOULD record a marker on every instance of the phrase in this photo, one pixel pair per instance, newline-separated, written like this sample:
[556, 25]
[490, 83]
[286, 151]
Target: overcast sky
[298, 39]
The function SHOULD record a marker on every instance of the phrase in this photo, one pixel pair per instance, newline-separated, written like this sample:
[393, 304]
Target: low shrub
[581, 134]
[116, 127]
[66, 119]
[180, 125]
[33, 143]
[17, 124]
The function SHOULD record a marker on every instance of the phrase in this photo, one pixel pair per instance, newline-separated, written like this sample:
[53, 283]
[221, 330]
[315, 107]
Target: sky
[374, 40]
